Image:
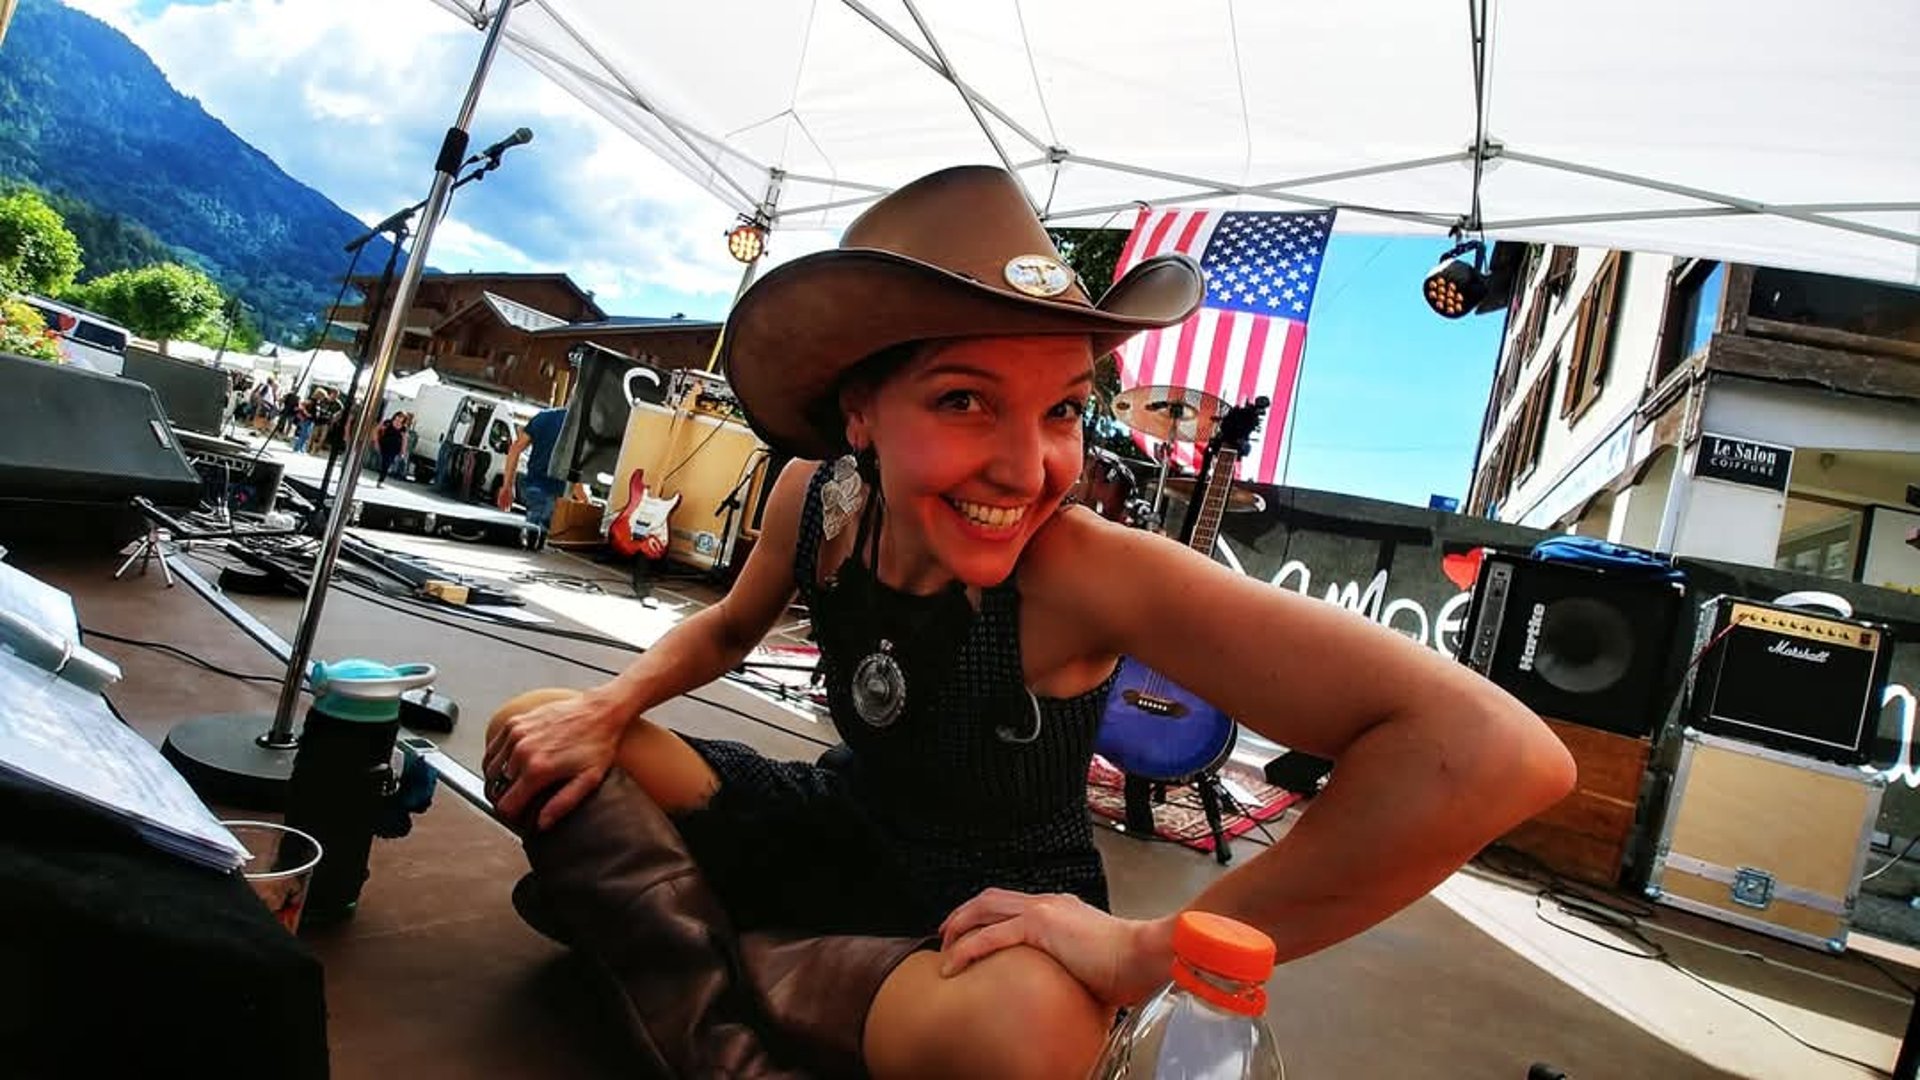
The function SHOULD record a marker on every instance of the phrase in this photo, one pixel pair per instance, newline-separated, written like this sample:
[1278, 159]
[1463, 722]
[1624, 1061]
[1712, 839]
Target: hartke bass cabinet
[1577, 644]
[1792, 679]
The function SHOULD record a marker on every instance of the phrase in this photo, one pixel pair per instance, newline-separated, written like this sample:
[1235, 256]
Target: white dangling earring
[842, 496]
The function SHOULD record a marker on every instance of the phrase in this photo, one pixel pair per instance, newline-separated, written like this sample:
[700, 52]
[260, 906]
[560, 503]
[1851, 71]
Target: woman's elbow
[1537, 768]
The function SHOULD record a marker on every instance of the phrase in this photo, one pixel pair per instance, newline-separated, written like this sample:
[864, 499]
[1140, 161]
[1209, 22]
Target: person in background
[539, 491]
[391, 440]
[303, 421]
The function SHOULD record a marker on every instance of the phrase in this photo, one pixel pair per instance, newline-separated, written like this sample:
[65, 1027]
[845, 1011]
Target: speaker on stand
[1592, 650]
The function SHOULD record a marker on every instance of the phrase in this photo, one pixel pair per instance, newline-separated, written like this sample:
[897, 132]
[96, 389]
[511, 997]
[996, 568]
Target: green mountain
[142, 172]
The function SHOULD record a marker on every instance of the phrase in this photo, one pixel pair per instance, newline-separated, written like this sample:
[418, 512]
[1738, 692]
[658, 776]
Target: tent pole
[1748, 205]
[952, 76]
[975, 100]
[766, 214]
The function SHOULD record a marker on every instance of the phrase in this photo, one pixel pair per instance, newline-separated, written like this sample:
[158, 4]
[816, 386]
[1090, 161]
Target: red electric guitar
[639, 530]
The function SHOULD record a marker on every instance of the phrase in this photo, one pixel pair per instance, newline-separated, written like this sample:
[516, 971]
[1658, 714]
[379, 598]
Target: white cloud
[352, 97]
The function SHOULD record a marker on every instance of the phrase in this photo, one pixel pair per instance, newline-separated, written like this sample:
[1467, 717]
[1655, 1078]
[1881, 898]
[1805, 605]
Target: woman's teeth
[992, 517]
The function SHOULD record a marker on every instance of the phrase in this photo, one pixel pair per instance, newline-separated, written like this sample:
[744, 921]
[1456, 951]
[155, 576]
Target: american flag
[1247, 338]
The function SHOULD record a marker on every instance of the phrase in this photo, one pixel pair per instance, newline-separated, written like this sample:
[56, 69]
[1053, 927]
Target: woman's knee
[670, 771]
[524, 702]
[1015, 1014]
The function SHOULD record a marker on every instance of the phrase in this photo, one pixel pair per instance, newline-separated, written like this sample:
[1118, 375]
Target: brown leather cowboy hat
[955, 254]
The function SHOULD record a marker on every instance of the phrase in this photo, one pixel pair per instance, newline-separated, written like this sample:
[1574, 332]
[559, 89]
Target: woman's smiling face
[978, 441]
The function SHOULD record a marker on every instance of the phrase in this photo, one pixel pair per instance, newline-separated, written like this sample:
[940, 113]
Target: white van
[446, 413]
[87, 340]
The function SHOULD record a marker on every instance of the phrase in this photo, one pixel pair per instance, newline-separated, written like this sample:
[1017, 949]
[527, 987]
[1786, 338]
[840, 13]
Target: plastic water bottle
[1207, 1023]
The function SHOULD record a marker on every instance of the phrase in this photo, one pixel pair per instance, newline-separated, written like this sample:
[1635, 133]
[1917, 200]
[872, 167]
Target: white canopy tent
[1761, 131]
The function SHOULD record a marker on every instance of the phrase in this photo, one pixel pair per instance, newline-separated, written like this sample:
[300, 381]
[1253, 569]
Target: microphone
[520, 137]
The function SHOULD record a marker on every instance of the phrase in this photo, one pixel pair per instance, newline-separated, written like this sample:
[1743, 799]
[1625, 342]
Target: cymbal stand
[1164, 451]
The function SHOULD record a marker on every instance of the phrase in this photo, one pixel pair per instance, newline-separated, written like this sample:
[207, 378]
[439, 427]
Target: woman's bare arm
[1432, 761]
[566, 747]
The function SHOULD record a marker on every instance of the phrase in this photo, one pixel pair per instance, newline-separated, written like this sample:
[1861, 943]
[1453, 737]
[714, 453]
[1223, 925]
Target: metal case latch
[1752, 888]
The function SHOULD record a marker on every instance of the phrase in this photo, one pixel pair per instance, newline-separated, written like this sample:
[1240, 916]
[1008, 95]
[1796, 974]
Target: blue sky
[352, 97]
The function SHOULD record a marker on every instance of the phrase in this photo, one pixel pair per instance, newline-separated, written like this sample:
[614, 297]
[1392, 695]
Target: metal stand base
[222, 759]
[144, 551]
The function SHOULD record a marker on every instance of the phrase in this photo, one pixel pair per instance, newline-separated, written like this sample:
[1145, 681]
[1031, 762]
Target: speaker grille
[1576, 644]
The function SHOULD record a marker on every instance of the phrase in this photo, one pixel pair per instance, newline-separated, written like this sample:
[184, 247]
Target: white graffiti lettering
[1442, 633]
[1401, 614]
[1901, 698]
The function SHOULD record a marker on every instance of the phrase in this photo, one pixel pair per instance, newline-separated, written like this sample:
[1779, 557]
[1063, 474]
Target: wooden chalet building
[514, 333]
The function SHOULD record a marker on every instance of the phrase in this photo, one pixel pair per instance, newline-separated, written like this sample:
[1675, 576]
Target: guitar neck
[1213, 503]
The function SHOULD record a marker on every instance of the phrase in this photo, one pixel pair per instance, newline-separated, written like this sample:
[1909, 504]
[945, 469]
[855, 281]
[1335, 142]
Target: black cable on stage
[694, 453]
[1580, 903]
[181, 654]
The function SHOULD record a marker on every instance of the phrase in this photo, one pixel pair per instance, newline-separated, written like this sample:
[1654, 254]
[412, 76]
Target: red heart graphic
[1463, 568]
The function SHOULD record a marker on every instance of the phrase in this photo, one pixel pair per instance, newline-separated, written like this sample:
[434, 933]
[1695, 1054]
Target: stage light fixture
[1456, 287]
[747, 241]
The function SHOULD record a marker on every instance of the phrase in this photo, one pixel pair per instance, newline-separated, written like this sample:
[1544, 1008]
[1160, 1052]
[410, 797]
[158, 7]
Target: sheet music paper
[38, 623]
[62, 737]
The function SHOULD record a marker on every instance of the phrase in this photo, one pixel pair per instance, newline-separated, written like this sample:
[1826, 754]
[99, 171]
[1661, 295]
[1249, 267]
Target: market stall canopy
[1760, 131]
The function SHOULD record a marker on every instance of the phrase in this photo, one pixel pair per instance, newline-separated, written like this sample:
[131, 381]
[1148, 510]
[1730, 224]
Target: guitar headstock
[1237, 426]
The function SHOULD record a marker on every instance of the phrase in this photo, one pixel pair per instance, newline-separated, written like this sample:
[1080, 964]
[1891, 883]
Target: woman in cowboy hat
[930, 375]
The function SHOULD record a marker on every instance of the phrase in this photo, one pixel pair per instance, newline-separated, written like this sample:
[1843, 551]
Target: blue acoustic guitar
[1155, 730]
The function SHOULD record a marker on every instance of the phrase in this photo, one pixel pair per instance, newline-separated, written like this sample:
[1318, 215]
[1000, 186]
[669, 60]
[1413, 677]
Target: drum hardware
[1106, 485]
[1170, 414]
[1239, 500]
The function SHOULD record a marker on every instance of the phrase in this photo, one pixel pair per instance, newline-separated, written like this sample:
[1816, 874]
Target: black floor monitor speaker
[1576, 644]
[75, 448]
[597, 411]
[193, 395]
[1805, 682]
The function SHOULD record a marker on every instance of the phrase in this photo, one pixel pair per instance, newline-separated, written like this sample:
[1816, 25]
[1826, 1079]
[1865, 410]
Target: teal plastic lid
[367, 690]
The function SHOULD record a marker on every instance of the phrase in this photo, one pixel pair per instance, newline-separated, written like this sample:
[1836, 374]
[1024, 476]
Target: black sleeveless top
[964, 800]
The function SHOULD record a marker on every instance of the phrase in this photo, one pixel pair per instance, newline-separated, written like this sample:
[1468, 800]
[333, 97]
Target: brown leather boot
[618, 883]
[818, 990]
[623, 889]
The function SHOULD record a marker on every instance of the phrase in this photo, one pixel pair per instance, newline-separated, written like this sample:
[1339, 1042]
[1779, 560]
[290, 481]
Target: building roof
[514, 313]
[363, 280]
[623, 324]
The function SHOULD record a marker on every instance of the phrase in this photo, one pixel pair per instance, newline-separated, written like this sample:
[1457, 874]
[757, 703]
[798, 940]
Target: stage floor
[437, 977]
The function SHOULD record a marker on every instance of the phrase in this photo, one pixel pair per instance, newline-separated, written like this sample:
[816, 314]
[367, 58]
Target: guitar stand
[1141, 795]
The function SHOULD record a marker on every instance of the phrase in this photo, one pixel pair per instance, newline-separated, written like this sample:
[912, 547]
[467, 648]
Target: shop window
[1693, 311]
[1593, 339]
[1819, 537]
[1823, 302]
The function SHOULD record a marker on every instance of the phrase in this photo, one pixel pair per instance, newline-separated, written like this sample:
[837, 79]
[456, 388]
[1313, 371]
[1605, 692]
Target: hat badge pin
[1038, 275]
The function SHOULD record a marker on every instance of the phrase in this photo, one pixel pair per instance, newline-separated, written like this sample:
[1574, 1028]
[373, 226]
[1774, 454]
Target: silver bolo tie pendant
[879, 687]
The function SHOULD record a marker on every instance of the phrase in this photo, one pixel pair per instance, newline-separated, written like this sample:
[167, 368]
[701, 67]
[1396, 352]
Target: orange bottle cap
[1223, 946]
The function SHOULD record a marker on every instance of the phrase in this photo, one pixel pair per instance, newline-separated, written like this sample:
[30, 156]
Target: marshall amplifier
[1576, 644]
[1791, 679]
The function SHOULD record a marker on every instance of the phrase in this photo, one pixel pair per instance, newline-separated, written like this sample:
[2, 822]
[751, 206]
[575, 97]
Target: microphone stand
[399, 225]
[219, 755]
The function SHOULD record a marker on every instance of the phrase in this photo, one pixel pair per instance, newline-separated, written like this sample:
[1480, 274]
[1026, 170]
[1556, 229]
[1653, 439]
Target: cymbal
[1169, 413]
[1238, 499]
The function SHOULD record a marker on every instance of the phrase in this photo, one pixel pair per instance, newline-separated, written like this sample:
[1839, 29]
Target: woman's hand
[1120, 961]
[564, 748]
